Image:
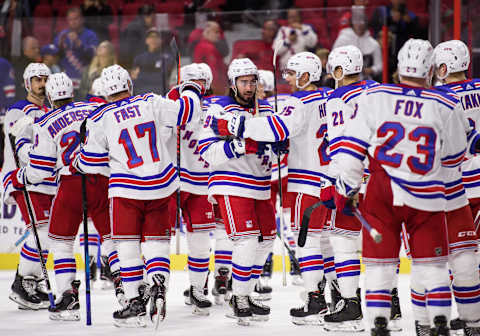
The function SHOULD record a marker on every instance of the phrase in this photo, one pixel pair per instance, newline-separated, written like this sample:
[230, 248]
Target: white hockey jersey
[23, 145]
[246, 176]
[342, 105]
[410, 133]
[303, 121]
[281, 101]
[57, 141]
[126, 135]
[469, 95]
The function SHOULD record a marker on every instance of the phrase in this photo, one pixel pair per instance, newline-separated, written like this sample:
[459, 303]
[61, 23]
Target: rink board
[9, 261]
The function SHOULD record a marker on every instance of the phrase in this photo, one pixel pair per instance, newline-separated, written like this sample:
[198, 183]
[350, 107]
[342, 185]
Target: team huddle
[402, 157]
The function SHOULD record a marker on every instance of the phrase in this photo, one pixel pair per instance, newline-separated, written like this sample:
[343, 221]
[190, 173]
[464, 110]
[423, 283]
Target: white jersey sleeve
[42, 157]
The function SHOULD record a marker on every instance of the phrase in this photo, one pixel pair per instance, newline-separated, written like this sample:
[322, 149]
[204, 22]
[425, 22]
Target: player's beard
[246, 100]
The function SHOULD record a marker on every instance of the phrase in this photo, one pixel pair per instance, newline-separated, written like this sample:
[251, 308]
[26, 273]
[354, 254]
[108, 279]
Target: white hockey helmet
[265, 78]
[303, 62]
[349, 58]
[34, 70]
[116, 79]
[454, 54]
[197, 71]
[59, 86]
[97, 88]
[241, 67]
[415, 58]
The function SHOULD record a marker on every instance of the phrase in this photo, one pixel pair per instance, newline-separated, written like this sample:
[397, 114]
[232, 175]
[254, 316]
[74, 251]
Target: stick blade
[174, 46]
[276, 48]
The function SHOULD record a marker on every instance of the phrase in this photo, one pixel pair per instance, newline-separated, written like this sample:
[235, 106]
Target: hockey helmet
[197, 71]
[265, 78]
[97, 88]
[349, 58]
[116, 79]
[415, 58]
[303, 62]
[59, 86]
[241, 67]
[454, 54]
[34, 70]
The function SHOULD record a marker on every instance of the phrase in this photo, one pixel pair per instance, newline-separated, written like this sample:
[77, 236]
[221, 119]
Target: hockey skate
[105, 273]
[472, 329]
[24, 292]
[42, 293]
[440, 326]
[199, 301]
[220, 287]
[158, 303]
[263, 291]
[380, 328]
[68, 309]
[313, 310]
[119, 291]
[260, 312]
[335, 295]
[421, 330]
[346, 317]
[186, 292]
[241, 309]
[456, 326]
[395, 312]
[133, 315]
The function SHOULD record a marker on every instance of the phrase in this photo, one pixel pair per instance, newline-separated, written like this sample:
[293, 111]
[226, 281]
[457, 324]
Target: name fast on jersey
[66, 119]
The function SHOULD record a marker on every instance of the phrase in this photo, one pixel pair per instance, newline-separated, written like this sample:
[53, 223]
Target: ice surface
[180, 320]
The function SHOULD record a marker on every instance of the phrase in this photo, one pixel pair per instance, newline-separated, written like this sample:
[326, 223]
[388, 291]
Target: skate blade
[160, 316]
[458, 332]
[66, 315]
[260, 318]
[132, 322]
[230, 314]
[351, 326]
[394, 325]
[187, 301]
[22, 304]
[308, 320]
[243, 321]
[200, 311]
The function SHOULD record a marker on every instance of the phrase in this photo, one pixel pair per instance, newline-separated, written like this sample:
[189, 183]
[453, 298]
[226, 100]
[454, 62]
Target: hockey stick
[33, 222]
[19, 241]
[302, 236]
[291, 253]
[280, 191]
[88, 306]
[174, 47]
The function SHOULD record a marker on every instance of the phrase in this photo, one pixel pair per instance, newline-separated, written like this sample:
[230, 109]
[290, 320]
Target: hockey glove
[280, 146]
[327, 196]
[229, 125]
[20, 124]
[234, 148]
[199, 89]
[18, 178]
[346, 198]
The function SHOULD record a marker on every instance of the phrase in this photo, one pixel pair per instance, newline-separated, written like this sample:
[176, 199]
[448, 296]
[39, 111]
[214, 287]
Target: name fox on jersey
[408, 108]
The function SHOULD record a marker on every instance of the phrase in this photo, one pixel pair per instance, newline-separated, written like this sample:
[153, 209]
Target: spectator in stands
[7, 87]
[326, 79]
[30, 53]
[346, 19]
[49, 54]
[260, 53]
[77, 46]
[400, 21]
[98, 16]
[295, 38]
[206, 51]
[15, 23]
[151, 69]
[359, 36]
[104, 57]
[135, 32]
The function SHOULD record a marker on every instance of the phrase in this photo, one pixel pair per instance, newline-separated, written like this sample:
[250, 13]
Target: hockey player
[345, 64]
[239, 183]
[57, 140]
[125, 134]
[303, 121]
[197, 211]
[452, 59]
[27, 289]
[408, 132]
